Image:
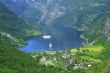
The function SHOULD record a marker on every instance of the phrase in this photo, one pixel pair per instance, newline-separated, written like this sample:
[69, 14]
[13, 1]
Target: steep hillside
[99, 32]
[84, 13]
[11, 24]
[79, 14]
[11, 59]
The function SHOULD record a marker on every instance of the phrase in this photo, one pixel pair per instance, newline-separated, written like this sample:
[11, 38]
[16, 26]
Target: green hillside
[11, 23]
[12, 60]
[85, 13]
[87, 59]
[100, 32]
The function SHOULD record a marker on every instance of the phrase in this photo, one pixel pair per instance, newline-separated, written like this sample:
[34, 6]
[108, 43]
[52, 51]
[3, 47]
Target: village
[73, 59]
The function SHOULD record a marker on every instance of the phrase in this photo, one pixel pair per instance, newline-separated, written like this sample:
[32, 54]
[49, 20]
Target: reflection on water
[58, 38]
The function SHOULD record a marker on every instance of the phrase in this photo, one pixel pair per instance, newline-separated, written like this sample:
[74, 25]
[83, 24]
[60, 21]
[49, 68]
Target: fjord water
[61, 38]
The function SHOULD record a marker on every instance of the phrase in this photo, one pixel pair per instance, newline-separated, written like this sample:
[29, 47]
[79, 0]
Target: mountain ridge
[77, 13]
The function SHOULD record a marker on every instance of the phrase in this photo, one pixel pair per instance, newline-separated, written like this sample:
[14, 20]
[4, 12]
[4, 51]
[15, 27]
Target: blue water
[62, 38]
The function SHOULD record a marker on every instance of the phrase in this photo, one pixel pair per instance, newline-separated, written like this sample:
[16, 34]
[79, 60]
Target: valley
[54, 36]
[59, 40]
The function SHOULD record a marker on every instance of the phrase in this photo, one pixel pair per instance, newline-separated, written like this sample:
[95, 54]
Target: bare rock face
[106, 31]
[78, 14]
[46, 10]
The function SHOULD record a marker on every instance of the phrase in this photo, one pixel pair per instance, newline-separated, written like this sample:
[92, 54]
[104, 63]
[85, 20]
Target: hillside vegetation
[12, 24]
[87, 59]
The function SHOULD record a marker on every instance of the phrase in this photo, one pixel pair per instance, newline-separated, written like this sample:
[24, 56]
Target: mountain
[79, 14]
[10, 24]
[11, 33]
[18, 7]
[85, 14]
[100, 32]
[87, 59]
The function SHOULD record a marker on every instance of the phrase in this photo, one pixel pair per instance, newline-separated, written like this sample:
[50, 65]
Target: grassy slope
[15, 61]
[96, 34]
[12, 60]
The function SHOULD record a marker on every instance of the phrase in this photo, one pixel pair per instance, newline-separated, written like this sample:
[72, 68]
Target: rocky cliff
[79, 14]
[100, 32]
[106, 29]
